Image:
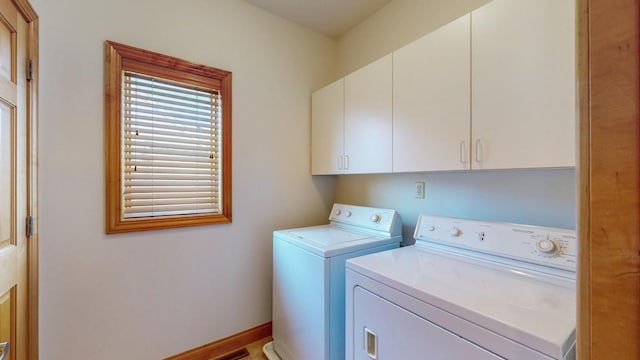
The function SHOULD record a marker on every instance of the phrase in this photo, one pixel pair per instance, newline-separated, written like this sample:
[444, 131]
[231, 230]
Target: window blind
[170, 148]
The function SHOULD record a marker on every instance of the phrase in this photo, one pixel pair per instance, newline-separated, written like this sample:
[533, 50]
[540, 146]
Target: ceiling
[330, 17]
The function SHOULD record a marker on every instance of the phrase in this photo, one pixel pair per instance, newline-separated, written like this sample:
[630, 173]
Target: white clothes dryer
[309, 279]
[467, 289]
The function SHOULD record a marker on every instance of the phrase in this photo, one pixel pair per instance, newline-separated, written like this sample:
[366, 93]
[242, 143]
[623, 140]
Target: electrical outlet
[419, 190]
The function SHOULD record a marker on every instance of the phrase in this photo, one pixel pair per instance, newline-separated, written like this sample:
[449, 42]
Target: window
[168, 141]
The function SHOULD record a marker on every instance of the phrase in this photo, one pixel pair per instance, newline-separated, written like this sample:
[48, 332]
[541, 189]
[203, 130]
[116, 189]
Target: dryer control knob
[338, 212]
[375, 218]
[456, 231]
[547, 246]
[348, 214]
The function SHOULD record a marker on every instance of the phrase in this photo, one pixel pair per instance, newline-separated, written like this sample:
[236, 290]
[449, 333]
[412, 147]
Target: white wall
[149, 295]
[539, 196]
[395, 25]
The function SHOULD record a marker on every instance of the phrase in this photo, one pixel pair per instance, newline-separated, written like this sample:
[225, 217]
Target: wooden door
[367, 118]
[13, 182]
[609, 173]
[431, 101]
[523, 84]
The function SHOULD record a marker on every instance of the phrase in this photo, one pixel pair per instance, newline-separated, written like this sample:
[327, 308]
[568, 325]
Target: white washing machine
[466, 290]
[309, 279]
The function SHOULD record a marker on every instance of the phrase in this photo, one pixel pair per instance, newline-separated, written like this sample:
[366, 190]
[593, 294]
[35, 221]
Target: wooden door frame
[583, 333]
[609, 179]
[31, 17]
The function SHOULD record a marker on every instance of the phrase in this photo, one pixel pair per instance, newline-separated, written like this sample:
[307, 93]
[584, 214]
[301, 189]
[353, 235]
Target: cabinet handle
[4, 347]
[371, 344]
[340, 163]
[479, 151]
[463, 152]
[346, 162]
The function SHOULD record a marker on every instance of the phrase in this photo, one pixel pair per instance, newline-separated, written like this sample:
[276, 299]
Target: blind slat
[159, 158]
[198, 124]
[164, 164]
[155, 172]
[155, 138]
[155, 124]
[178, 154]
[196, 103]
[173, 210]
[148, 146]
[186, 195]
[157, 105]
[168, 201]
[169, 176]
[169, 189]
[144, 81]
[170, 148]
[172, 134]
[163, 183]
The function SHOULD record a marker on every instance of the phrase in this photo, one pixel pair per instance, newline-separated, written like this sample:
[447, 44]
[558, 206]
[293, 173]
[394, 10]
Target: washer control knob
[375, 218]
[547, 246]
[455, 231]
[338, 212]
[432, 228]
[348, 213]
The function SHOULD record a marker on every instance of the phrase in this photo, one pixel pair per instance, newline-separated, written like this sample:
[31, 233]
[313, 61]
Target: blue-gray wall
[544, 197]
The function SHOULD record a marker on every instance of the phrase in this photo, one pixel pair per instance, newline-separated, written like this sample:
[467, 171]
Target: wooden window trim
[119, 57]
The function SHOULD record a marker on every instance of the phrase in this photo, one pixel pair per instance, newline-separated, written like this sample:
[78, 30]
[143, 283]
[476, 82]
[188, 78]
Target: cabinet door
[523, 84]
[368, 111]
[327, 129]
[431, 95]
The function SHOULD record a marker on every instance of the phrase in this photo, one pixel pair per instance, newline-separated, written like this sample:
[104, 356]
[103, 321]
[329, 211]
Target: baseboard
[223, 346]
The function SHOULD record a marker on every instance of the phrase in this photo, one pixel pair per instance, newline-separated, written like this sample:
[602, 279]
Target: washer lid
[535, 310]
[329, 240]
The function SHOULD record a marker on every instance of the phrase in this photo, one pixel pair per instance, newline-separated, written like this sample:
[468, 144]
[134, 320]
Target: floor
[255, 350]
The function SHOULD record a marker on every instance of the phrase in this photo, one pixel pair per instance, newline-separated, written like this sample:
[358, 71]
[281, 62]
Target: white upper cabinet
[368, 118]
[327, 129]
[351, 123]
[523, 84]
[431, 101]
[494, 89]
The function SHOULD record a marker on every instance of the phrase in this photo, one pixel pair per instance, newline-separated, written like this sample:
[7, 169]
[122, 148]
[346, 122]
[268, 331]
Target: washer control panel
[547, 246]
[377, 219]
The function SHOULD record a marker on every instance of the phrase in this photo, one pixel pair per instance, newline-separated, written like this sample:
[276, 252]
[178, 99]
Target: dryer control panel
[545, 246]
